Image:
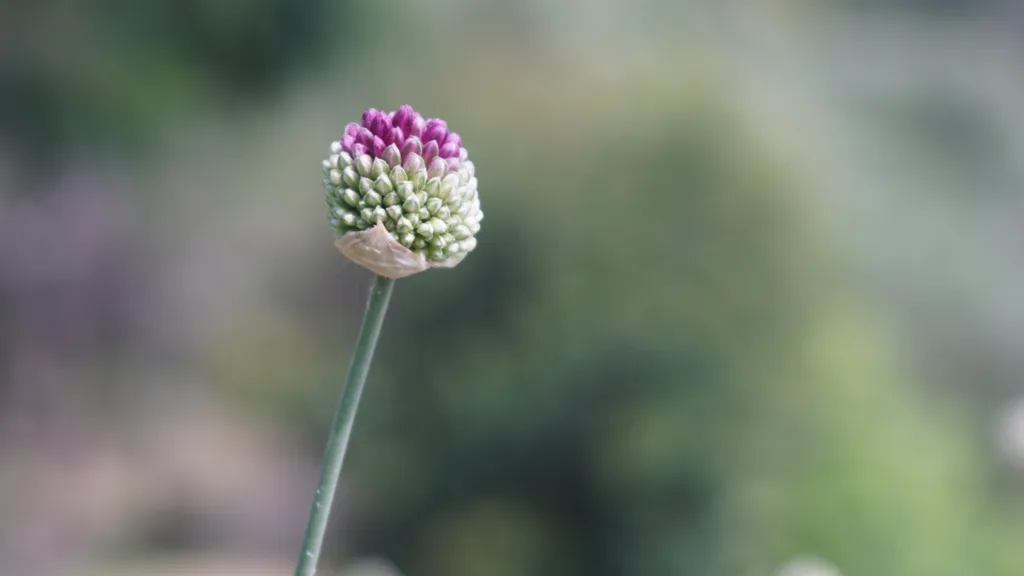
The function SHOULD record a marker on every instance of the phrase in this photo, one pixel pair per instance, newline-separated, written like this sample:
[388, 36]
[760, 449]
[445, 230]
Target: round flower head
[401, 193]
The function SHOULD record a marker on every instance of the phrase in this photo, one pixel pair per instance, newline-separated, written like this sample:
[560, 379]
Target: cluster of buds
[402, 193]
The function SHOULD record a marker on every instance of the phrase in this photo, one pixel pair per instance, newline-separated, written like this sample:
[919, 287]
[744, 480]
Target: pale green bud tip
[401, 193]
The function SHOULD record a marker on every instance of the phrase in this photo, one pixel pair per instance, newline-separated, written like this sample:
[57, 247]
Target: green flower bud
[406, 191]
[461, 232]
[448, 185]
[433, 187]
[433, 204]
[438, 168]
[419, 243]
[379, 167]
[365, 185]
[440, 226]
[413, 219]
[327, 166]
[336, 147]
[363, 165]
[412, 205]
[383, 185]
[407, 239]
[350, 177]
[443, 212]
[424, 214]
[351, 197]
[419, 178]
[391, 199]
[439, 242]
[372, 198]
[389, 225]
[394, 212]
[344, 160]
[425, 230]
[367, 215]
[335, 177]
[380, 215]
[398, 175]
[403, 225]
[392, 156]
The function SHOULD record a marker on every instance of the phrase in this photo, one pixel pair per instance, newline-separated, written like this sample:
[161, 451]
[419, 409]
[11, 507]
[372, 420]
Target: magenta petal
[412, 145]
[387, 135]
[449, 150]
[347, 141]
[402, 116]
[430, 152]
[358, 150]
[416, 126]
[380, 124]
[352, 129]
[437, 123]
[369, 116]
[435, 134]
[378, 146]
[365, 137]
[453, 137]
[398, 137]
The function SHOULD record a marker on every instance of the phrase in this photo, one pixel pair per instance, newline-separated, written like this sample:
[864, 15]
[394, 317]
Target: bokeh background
[747, 299]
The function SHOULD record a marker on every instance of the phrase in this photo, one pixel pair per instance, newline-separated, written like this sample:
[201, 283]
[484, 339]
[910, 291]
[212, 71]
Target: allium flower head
[402, 193]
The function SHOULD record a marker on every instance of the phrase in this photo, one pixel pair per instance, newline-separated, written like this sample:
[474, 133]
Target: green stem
[341, 429]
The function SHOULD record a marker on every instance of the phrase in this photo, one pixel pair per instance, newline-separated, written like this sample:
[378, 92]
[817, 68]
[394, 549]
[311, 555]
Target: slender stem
[341, 429]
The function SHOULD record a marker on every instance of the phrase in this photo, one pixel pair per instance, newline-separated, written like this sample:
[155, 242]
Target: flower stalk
[402, 197]
[341, 429]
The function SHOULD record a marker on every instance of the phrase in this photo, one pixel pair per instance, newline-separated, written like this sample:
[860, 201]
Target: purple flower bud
[437, 168]
[365, 137]
[435, 130]
[430, 151]
[412, 145]
[351, 129]
[369, 116]
[416, 126]
[347, 141]
[358, 149]
[397, 136]
[412, 163]
[449, 150]
[403, 116]
[379, 125]
[453, 137]
[387, 134]
[378, 146]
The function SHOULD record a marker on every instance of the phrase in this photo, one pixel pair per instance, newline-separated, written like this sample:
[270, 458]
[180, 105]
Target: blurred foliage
[110, 73]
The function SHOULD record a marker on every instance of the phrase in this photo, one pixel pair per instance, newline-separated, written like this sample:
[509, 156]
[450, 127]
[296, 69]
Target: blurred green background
[746, 300]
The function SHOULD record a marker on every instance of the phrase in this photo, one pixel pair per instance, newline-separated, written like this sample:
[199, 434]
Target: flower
[402, 193]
